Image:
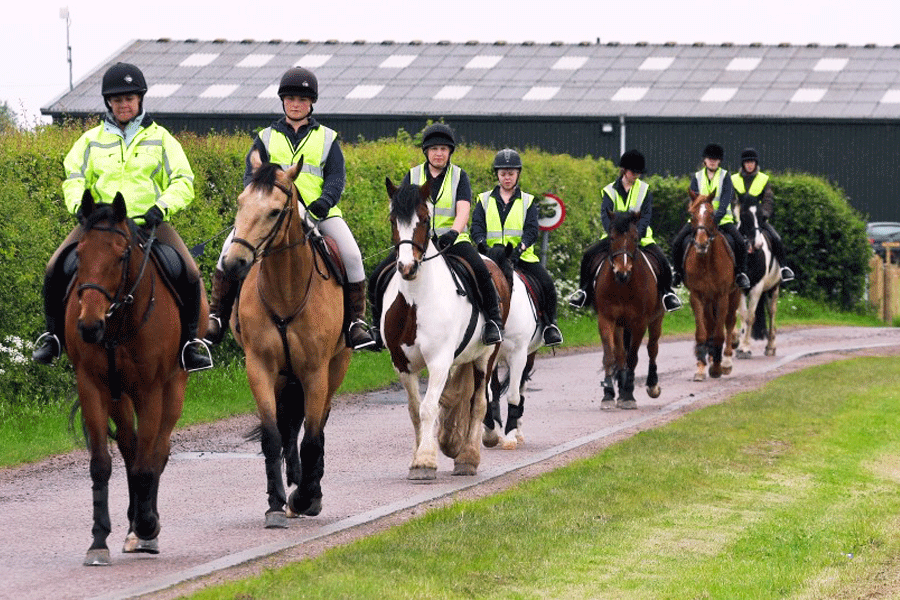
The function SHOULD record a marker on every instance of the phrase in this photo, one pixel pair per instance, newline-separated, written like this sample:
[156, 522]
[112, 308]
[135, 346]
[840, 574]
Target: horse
[522, 337]
[125, 351]
[628, 306]
[289, 322]
[764, 271]
[430, 322]
[709, 276]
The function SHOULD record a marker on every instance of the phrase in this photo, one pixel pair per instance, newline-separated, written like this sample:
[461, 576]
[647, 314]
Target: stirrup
[361, 343]
[492, 334]
[671, 301]
[203, 354]
[46, 349]
[552, 335]
[742, 281]
[210, 338]
[578, 298]
[787, 274]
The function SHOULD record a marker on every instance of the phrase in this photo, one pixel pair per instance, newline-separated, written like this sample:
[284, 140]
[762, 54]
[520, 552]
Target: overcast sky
[34, 70]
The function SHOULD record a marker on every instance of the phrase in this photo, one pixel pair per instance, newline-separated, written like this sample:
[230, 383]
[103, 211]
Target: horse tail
[254, 434]
[759, 330]
[76, 404]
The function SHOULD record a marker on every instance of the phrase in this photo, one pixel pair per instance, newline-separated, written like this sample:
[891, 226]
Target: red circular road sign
[551, 212]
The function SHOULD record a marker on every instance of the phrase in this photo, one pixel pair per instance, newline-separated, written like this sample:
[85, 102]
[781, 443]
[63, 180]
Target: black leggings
[664, 280]
[734, 237]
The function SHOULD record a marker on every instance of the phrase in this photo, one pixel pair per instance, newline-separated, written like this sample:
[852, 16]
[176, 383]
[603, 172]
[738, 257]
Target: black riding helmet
[507, 159]
[122, 78]
[298, 81]
[750, 154]
[438, 134]
[633, 161]
[714, 151]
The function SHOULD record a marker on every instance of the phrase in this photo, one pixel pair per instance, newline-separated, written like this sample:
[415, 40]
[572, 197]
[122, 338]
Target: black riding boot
[195, 354]
[224, 292]
[493, 326]
[48, 346]
[375, 300]
[678, 256]
[740, 255]
[358, 336]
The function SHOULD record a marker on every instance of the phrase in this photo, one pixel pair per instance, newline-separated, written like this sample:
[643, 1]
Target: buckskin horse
[289, 321]
[430, 322]
[120, 339]
[628, 306]
[709, 276]
[761, 300]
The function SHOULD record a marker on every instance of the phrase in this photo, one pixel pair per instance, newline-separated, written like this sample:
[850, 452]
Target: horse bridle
[269, 238]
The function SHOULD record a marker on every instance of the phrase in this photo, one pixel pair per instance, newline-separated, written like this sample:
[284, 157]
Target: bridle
[422, 248]
[264, 248]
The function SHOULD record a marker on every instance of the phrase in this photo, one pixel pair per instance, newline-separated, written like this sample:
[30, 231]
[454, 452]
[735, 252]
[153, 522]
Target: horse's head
[703, 222]
[623, 243]
[104, 253]
[748, 224]
[263, 207]
[410, 225]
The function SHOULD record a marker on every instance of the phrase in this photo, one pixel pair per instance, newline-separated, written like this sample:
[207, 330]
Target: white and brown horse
[759, 304]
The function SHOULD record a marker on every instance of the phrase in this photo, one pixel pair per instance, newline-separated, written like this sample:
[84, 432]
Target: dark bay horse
[289, 321]
[123, 339]
[427, 324]
[709, 275]
[759, 304]
[628, 306]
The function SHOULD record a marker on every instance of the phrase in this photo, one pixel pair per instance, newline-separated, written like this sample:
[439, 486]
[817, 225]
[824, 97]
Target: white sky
[34, 70]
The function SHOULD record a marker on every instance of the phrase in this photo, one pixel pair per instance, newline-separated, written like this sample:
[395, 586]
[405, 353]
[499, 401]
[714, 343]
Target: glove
[447, 239]
[318, 208]
[153, 217]
[517, 253]
[483, 248]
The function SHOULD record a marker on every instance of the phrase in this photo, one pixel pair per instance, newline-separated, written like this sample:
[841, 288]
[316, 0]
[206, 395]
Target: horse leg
[493, 419]
[717, 336]
[730, 322]
[307, 498]
[747, 312]
[700, 337]
[607, 336]
[290, 409]
[94, 413]
[517, 373]
[424, 463]
[262, 385]
[773, 308]
[633, 340]
[468, 459]
[653, 389]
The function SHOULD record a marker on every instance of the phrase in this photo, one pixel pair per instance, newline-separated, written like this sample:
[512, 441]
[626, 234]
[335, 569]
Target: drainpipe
[621, 135]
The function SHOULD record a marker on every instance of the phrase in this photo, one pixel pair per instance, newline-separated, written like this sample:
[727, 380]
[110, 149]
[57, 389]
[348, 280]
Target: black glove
[153, 217]
[517, 253]
[318, 208]
[447, 239]
[483, 248]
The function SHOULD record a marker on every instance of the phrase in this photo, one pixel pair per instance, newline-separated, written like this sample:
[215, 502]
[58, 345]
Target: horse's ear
[294, 170]
[693, 194]
[87, 205]
[390, 187]
[610, 214]
[120, 211]
[255, 161]
[425, 190]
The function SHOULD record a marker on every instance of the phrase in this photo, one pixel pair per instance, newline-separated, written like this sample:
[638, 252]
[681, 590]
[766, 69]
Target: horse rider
[505, 215]
[712, 180]
[627, 193]
[129, 153]
[752, 186]
[321, 183]
[451, 197]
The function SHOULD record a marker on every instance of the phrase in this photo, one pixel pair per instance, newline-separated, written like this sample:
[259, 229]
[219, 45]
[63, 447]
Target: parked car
[884, 231]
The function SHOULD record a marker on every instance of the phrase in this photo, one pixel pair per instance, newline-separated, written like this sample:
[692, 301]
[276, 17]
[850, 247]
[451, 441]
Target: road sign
[551, 212]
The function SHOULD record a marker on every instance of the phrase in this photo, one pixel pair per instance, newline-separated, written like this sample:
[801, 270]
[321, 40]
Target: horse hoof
[744, 354]
[135, 544]
[422, 473]
[654, 391]
[276, 519]
[490, 438]
[699, 376]
[607, 404]
[97, 558]
[627, 404]
[465, 469]
[298, 506]
[770, 351]
[726, 370]
[509, 444]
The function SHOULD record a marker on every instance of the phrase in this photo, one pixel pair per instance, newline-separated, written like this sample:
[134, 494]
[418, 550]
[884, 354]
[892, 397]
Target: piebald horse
[427, 324]
[760, 303]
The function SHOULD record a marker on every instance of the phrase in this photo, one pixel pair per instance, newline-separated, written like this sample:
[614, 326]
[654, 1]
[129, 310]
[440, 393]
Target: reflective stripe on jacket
[633, 202]
[706, 187]
[443, 209]
[757, 186]
[511, 230]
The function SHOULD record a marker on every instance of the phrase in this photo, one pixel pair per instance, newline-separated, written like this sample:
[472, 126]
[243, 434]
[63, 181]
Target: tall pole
[64, 14]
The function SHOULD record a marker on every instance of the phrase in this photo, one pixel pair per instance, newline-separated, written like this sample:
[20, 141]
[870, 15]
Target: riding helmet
[123, 78]
[298, 81]
[507, 159]
[633, 161]
[714, 151]
[750, 154]
[438, 134]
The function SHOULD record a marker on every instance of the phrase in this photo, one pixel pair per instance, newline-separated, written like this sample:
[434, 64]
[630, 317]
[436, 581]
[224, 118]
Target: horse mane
[405, 201]
[621, 222]
[101, 212]
[264, 176]
[500, 253]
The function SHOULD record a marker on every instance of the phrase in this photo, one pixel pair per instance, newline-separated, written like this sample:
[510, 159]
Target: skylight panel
[570, 63]
[743, 64]
[630, 94]
[219, 91]
[891, 97]
[453, 92]
[162, 90]
[541, 93]
[398, 61]
[364, 92]
[269, 92]
[808, 95]
[716, 94]
[656, 63]
[255, 60]
[198, 60]
[830, 64]
[484, 61]
[311, 61]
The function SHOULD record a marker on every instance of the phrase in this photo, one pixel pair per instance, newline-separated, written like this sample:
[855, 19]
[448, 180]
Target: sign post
[551, 214]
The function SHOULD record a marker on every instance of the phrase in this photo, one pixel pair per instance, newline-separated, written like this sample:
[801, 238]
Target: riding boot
[740, 254]
[493, 326]
[787, 274]
[358, 334]
[678, 256]
[224, 292]
[195, 355]
[48, 346]
[552, 335]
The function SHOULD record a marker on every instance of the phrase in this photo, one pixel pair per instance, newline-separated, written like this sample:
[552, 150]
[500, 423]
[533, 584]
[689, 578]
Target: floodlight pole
[64, 14]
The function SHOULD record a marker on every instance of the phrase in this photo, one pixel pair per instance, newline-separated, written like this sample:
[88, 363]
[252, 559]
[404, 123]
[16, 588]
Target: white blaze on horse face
[757, 232]
[407, 265]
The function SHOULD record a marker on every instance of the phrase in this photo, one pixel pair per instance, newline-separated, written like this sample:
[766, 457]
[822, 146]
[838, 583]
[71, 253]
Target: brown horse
[628, 305]
[121, 340]
[289, 322]
[430, 323]
[709, 275]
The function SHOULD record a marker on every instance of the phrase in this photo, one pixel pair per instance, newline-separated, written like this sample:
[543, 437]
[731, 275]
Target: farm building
[832, 111]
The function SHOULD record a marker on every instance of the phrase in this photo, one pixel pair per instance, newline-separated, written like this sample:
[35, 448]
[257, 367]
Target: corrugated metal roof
[479, 79]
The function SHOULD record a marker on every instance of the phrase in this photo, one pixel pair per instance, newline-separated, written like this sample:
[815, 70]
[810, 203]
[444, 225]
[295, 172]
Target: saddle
[535, 292]
[462, 274]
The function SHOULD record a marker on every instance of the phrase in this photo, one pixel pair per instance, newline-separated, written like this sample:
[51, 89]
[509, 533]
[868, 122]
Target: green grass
[793, 497]
[29, 433]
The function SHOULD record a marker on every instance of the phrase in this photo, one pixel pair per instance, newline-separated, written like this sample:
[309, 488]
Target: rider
[451, 196]
[129, 153]
[751, 184]
[506, 214]
[627, 192]
[712, 180]
[321, 183]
